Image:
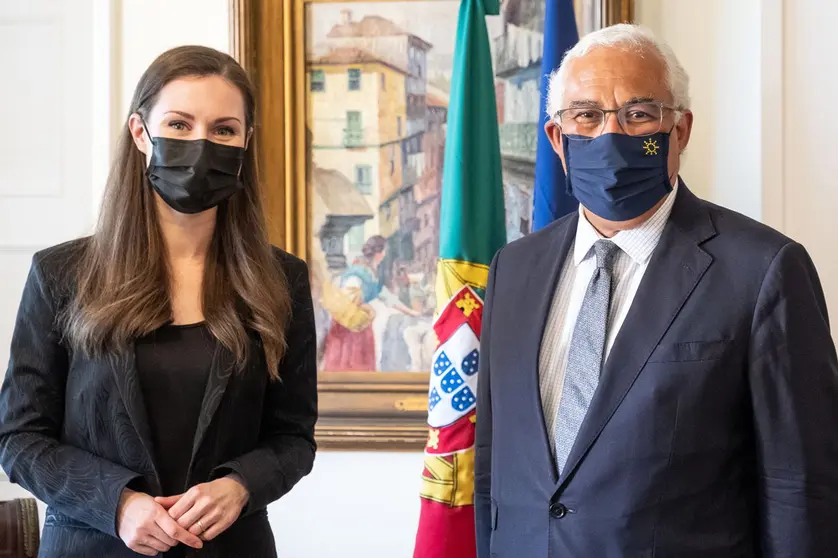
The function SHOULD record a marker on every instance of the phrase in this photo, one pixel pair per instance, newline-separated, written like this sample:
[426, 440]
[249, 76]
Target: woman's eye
[225, 131]
[178, 125]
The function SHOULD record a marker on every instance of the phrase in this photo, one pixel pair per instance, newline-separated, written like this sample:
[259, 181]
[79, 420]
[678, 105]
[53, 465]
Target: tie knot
[605, 251]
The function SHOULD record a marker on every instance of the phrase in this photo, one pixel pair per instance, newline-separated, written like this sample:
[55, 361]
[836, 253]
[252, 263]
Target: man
[657, 373]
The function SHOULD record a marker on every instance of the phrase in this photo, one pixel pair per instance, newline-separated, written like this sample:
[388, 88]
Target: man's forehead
[612, 73]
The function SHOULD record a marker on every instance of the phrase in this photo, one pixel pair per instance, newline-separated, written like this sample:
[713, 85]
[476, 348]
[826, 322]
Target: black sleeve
[483, 435]
[286, 451]
[75, 482]
[793, 375]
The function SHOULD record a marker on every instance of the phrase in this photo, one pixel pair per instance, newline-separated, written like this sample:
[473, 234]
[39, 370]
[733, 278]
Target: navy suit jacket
[714, 429]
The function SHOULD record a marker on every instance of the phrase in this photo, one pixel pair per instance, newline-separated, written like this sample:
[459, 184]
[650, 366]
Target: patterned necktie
[584, 360]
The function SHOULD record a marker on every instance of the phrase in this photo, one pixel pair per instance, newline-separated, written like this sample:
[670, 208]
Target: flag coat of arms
[472, 229]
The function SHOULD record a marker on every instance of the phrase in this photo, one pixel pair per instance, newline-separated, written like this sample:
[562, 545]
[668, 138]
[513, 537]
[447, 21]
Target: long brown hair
[123, 287]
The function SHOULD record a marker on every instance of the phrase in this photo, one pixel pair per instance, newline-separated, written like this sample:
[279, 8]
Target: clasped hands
[151, 525]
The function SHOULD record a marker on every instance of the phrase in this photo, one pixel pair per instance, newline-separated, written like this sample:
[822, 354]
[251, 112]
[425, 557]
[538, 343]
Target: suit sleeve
[286, 451]
[794, 385]
[74, 482]
[483, 435]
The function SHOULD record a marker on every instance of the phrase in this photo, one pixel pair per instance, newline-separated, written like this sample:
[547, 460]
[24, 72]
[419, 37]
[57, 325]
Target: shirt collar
[638, 243]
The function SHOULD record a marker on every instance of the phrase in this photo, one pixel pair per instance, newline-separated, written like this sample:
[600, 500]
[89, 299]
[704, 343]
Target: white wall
[810, 146]
[45, 169]
[353, 505]
[150, 27]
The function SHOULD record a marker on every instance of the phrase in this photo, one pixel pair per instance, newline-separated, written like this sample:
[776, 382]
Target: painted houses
[367, 90]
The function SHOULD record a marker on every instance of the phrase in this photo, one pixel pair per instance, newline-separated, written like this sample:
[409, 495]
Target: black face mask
[194, 175]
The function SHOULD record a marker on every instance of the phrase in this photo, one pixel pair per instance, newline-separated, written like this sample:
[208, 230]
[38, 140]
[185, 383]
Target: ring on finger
[200, 525]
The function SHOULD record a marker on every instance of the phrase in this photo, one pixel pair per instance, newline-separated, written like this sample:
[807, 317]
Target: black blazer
[74, 430]
[712, 433]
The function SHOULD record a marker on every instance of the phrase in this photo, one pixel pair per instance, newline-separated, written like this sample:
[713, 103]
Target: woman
[162, 385]
[350, 343]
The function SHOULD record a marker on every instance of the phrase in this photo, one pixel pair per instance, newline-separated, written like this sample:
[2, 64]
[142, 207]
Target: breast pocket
[693, 351]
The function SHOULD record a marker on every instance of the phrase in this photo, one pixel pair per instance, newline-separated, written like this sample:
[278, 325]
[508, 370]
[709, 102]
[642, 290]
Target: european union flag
[550, 198]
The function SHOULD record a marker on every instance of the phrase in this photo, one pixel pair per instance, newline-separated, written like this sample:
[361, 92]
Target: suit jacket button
[558, 510]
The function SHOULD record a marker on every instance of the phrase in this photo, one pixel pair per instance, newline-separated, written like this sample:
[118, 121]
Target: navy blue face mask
[616, 176]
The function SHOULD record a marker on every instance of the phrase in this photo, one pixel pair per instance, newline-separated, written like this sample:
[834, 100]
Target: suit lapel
[675, 269]
[124, 367]
[223, 364]
[540, 289]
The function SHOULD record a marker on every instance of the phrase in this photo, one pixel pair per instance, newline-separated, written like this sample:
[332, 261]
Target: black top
[173, 365]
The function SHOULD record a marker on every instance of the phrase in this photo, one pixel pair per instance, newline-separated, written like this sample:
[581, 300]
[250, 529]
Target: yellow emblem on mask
[651, 147]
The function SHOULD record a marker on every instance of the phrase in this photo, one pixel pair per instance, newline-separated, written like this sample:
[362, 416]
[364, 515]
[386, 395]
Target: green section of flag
[472, 221]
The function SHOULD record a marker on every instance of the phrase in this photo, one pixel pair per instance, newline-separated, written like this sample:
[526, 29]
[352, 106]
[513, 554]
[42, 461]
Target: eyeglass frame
[608, 112]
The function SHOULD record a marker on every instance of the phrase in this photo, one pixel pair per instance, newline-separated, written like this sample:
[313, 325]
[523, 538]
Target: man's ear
[554, 134]
[684, 127]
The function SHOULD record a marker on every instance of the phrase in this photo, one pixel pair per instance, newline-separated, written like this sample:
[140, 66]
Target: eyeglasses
[635, 119]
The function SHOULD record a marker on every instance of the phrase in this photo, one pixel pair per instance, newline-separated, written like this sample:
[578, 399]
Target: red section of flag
[445, 531]
[465, 307]
[454, 437]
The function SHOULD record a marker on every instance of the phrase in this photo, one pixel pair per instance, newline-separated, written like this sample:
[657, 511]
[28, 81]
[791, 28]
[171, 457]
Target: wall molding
[107, 92]
[772, 119]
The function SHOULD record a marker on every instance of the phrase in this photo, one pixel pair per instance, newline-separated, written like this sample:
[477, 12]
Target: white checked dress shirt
[636, 248]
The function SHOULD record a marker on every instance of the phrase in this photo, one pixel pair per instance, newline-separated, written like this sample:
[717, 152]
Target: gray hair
[629, 38]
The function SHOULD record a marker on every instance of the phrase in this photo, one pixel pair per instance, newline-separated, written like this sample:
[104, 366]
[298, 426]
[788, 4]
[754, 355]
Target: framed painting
[353, 100]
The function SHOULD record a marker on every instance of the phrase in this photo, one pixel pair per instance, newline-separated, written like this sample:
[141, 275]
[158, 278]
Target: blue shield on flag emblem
[454, 379]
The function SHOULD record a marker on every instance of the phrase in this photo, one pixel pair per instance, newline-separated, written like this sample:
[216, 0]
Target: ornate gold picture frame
[353, 188]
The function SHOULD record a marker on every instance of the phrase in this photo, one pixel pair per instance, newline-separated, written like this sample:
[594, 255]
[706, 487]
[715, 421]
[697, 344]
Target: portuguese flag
[472, 229]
